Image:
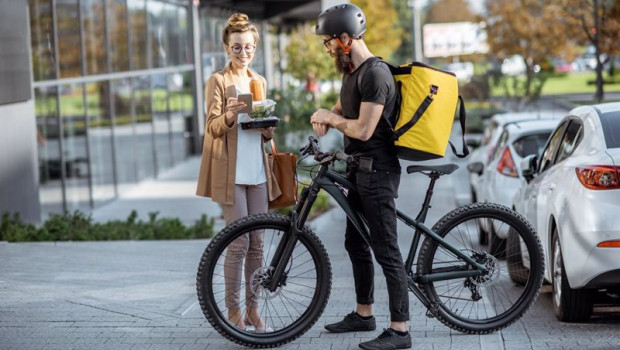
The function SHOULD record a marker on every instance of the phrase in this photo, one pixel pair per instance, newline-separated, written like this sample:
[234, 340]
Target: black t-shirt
[376, 85]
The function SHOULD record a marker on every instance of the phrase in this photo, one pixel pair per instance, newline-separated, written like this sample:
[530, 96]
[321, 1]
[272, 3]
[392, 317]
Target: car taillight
[506, 165]
[599, 177]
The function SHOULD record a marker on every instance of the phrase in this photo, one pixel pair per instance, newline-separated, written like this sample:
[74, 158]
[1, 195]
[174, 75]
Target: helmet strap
[344, 48]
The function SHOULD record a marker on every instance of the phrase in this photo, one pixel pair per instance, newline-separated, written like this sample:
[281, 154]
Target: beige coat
[219, 153]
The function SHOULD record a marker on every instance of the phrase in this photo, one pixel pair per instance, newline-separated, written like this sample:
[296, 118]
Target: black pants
[377, 190]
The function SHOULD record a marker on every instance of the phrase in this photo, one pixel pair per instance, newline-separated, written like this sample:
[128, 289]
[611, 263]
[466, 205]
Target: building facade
[115, 91]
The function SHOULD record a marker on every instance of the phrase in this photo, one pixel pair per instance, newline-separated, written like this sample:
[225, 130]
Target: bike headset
[344, 18]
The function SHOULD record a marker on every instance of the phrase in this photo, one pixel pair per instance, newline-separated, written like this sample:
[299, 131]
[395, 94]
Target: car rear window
[531, 144]
[611, 129]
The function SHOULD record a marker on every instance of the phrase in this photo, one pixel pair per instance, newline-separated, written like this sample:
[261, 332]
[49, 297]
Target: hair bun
[238, 20]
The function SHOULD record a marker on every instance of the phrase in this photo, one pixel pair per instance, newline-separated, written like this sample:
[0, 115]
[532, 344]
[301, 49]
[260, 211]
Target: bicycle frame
[337, 186]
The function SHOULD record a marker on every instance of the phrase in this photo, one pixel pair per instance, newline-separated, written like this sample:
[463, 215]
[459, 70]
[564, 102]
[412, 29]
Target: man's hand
[320, 121]
[321, 116]
[320, 129]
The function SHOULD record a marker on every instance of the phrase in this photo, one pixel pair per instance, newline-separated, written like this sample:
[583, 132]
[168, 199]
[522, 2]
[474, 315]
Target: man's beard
[342, 61]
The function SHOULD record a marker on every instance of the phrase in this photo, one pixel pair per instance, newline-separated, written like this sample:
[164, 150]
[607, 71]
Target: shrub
[78, 226]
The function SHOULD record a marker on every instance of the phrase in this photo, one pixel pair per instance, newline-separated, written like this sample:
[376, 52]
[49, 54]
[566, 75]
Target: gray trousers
[249, 199]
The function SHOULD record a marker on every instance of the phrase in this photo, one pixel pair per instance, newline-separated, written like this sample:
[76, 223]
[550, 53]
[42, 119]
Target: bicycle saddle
[443, 169]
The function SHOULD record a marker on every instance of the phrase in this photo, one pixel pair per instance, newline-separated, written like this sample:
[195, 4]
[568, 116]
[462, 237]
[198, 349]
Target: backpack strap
[419, 112]
[397, 107]
[462, 118]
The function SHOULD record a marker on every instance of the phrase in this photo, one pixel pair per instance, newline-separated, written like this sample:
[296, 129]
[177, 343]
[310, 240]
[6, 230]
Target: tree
[306, 54]
[383, 33]
[446, 11]
[533, 29]
[596, 22]
[404, 52]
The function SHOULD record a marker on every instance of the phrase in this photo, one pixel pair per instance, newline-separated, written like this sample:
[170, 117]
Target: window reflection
[68, 23]
[74, 147]
[161, 122]
[94, 36]
[145, 160]
[100, 142]
[117, 14]
[157, 28]
[42, 39]
[137, 20]
[50, 190]
[180, 111]
[123, 134]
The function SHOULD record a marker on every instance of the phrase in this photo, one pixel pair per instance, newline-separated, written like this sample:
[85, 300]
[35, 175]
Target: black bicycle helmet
[345, 18]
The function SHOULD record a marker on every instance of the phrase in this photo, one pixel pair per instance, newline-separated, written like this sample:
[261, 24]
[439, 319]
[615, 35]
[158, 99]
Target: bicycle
[458, 280]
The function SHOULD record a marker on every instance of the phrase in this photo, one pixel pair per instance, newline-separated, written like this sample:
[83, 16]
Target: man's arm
[361, 128]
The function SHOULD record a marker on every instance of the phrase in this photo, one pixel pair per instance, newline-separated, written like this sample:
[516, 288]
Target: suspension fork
[286, 246]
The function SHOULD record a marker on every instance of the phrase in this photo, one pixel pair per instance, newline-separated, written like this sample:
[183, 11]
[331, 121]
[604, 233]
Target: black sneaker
[352, 322]
[388, 340]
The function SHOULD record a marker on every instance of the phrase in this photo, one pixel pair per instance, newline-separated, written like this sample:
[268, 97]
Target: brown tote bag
[284, 168]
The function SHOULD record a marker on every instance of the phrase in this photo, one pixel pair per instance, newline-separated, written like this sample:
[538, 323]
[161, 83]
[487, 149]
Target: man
[366, 103]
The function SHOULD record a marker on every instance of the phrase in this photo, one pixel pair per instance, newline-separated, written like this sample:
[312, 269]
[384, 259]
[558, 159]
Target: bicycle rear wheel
[490, 302]
[231, 281]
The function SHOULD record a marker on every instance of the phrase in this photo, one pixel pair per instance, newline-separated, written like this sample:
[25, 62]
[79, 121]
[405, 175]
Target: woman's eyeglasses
[247, 48]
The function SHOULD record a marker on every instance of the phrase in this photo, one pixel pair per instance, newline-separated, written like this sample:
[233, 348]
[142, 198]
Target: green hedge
[80, 227]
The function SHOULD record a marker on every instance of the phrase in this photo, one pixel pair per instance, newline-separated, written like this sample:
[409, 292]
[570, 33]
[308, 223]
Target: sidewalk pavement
[171, 195]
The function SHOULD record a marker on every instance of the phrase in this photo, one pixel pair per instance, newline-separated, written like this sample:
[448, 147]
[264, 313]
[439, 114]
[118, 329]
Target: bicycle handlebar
[312, 148]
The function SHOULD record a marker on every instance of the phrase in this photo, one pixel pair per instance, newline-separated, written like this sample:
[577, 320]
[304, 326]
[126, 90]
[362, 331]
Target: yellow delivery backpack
[428, 99]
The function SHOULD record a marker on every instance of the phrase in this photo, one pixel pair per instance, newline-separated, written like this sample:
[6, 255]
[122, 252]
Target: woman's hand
[233, 105]
[268, 132]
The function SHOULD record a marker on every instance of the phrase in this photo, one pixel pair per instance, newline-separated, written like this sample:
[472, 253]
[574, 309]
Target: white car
[502, 177]
[573, 200]
[480, 156]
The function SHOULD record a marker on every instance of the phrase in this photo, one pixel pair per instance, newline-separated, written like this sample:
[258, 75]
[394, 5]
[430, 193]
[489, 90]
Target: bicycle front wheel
[234, 274]
[487, 303]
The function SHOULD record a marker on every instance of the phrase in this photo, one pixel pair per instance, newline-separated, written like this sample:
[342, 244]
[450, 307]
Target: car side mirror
[528, 167]
[476, 167]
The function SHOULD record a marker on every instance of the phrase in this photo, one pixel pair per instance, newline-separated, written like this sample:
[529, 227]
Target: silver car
[573, 199]
[502, 177]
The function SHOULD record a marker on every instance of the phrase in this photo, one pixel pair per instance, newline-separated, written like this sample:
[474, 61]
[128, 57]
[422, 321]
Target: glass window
[530, 144]
[185, 49]
[181, 116]
[137, 20]
[74, 147]
[157, 34]
[611, 129]
[548, 156]
[68, 23]
[161, 122]
[42, 39]
[93, 13]
[117, 22]
[145, 160]
[100, 142]
[126, 174]
[48, 133]
[571, 139]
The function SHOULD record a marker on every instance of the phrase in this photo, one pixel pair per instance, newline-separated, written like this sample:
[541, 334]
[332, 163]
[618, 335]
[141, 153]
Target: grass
[575, 83]
[571, 83]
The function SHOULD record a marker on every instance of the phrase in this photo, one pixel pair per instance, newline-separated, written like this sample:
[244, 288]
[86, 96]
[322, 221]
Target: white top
[250, 168]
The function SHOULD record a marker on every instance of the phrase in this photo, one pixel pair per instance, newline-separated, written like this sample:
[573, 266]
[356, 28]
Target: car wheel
[570, 305]
[517, 272]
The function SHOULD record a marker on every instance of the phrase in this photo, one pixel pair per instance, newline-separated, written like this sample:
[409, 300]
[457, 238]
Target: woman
[240, 181]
